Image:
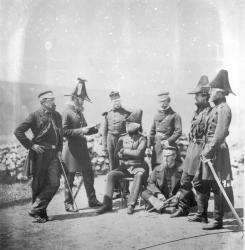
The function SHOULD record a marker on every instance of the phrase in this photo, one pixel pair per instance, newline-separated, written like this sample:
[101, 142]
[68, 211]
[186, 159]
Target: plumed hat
[202, 86]
[80, 90]
[221, 81]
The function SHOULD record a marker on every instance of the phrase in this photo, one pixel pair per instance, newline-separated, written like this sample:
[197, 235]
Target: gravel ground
[116, 230]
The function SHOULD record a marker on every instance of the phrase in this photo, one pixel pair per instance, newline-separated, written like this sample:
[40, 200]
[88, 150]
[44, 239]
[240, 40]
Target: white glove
[161, 197]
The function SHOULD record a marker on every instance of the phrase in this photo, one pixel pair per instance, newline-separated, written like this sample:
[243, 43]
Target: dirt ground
[116, 230]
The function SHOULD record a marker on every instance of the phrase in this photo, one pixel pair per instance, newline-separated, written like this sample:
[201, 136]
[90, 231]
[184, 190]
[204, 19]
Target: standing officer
[114, 127]
[165, 130]
[44, 149]
[196, 141]
[215, 149]
[75, 154]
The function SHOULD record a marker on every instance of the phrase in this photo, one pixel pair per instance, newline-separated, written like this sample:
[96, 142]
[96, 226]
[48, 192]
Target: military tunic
[47, 131]
[196, 140]
[166, 126]
[114, 126]
[131, 149]
[162, 181]
[216, 148]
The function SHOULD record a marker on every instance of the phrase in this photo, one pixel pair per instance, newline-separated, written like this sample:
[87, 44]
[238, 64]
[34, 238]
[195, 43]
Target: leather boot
[70, 208]
[216, 224]
[94, 203]
[198, 217]
[106, 206]
[180, 212]
[130, 209]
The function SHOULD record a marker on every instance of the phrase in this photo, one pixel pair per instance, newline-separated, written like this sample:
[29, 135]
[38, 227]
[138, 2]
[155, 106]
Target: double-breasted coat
[216, 148]
[114, 126]
[166, 126]
[196, 140]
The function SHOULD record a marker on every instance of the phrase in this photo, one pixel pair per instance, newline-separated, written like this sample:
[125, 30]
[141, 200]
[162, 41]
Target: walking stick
[224, 193]
[164, 203]
[68, 185]
[78, 188]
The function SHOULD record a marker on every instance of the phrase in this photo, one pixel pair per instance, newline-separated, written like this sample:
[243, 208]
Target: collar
[168, 110]
[219, 101]
[46, 111]
[202, 107]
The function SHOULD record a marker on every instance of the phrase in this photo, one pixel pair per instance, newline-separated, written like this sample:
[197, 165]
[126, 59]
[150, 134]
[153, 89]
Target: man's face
[201, 98]
[49, 104]
[215, 94]
[79, 102]
[164, 103]
[116, 104]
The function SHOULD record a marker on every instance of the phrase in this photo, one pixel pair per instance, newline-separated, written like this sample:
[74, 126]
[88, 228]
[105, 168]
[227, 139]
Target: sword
[223, 192]
[164, 203]
[78, 188]
[68, 185]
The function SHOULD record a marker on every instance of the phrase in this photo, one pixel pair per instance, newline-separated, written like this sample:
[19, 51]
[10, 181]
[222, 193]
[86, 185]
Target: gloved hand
[58, 155]
[120, 153]
[156, 203]
[161, 197]
[37, 148]
[164, 144]
[148, 151]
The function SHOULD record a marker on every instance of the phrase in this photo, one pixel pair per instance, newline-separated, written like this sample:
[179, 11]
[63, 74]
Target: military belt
[132, 163]
[49, 146]
[197, 141]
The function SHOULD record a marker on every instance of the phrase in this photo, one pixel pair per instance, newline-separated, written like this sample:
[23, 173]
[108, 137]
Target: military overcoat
[216, 148]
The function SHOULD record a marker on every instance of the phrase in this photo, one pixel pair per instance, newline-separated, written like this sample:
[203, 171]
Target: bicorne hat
[80, 90]
[202, 86]
[221, 81]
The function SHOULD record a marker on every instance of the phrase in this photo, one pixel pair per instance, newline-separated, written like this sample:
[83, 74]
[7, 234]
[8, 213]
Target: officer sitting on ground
[164, 183]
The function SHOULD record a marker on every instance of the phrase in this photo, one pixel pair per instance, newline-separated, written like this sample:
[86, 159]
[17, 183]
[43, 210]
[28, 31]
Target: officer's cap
[46, 95]
[114, 95]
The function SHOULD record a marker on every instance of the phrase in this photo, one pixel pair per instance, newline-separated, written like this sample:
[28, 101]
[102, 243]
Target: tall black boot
[202, 205]
[107, 205]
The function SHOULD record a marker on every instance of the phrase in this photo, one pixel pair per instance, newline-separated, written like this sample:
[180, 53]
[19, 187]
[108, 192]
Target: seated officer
[164, 183]
[130, 150]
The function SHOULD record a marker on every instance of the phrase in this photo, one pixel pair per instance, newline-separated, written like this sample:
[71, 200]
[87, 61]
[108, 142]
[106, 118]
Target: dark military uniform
[114, 126]
[162, 181]
[166, 181]
[75, 154]
[47, 131]
[132, 164]
[196, 141]
[215, 147]
[166, 126]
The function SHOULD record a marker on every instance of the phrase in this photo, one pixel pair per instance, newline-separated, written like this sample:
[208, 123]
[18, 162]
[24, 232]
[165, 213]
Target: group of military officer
[126, 147]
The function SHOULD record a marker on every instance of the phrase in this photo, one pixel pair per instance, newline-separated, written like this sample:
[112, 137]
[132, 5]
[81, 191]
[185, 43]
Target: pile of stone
[99, 160]
[12, 157]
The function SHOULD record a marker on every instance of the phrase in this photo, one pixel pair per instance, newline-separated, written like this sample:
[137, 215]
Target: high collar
[75, 108]
[219, 101]
[118, 109]
[46, 111]
[200, 108]
[165, 111]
